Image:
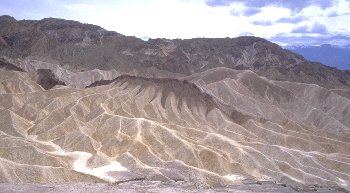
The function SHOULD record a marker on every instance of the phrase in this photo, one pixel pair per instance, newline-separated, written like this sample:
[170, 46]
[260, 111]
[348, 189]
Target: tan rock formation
[227, 123]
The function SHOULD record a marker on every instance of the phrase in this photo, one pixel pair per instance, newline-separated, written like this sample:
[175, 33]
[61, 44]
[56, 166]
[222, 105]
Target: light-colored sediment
[215, 128]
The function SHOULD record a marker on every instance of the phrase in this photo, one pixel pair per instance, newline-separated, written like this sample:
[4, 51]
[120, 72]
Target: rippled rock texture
[147, 118]
[212, 129]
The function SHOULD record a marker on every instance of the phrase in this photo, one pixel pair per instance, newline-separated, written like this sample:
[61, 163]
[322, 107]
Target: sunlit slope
[208, 128]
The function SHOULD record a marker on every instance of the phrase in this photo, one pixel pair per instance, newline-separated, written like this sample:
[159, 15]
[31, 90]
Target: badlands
[81, 107]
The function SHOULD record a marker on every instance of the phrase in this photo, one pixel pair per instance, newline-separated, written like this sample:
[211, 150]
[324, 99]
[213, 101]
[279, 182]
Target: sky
[286, 22]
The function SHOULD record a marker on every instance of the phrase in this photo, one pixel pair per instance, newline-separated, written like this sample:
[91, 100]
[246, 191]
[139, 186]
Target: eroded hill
[81, 104]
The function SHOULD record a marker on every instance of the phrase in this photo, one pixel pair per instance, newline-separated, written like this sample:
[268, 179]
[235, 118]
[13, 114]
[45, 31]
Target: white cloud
[193, 18]
[169, 19]
[178, 19]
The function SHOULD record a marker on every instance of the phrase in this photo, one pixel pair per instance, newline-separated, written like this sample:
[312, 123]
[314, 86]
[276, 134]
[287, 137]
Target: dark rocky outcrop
[47, 79]
[8, 66]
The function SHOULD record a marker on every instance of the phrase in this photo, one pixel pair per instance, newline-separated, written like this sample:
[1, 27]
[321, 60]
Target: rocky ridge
[83, 47]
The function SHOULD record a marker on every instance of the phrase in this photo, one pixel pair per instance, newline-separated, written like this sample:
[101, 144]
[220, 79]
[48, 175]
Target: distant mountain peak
[331, 55]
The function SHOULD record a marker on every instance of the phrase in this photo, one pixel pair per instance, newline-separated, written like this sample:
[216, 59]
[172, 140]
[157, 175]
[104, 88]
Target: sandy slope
[214, 128]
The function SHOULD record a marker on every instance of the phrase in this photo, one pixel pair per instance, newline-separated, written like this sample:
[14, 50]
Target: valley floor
[154, 187]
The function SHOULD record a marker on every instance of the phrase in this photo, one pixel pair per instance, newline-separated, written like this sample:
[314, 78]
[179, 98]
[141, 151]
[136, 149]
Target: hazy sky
[282, 21]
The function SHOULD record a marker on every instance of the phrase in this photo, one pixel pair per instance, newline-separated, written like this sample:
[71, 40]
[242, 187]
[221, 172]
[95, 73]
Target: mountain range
[331, 55]
[79, 103]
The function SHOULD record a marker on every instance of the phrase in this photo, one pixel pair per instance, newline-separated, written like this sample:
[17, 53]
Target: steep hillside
[81, 47]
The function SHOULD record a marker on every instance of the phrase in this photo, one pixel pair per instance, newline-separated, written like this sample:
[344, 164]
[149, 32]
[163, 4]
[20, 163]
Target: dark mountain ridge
[81, 47]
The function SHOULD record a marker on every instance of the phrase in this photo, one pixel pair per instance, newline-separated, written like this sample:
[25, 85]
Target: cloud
[293, 20]
[319, 29]
[335, 14]
[215, 3]
[286, 39]
[246, 12]
[247, 33]
[316, 28]
[251, 11]
[262, 23]
[301, 29]
[295, 5]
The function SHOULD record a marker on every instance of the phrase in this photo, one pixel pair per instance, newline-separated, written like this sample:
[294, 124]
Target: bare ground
[147, 186]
